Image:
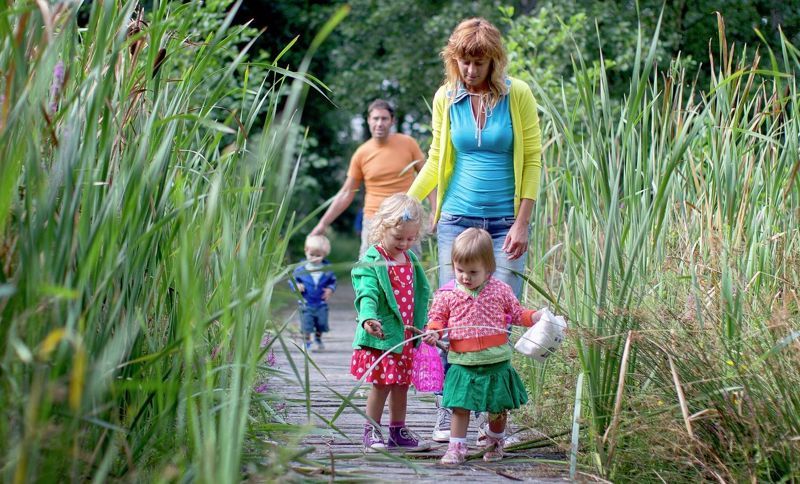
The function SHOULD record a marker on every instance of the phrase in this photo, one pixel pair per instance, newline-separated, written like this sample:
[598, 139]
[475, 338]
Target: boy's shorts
[314, 319]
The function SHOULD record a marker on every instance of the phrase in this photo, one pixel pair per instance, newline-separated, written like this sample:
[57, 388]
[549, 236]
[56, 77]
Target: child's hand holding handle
[373, 328]
[430, 337]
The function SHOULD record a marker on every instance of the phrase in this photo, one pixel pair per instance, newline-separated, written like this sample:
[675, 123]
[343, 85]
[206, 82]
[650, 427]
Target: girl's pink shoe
[456, 454]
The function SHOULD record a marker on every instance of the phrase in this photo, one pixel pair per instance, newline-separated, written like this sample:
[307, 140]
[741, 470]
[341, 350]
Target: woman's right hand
[373, 328]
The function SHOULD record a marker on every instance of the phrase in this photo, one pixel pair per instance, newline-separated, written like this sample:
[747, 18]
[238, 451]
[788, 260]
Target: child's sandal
[494, 449]
[456, 454]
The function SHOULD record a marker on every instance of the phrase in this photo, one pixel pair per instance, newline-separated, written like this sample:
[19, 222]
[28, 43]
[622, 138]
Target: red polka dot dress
[395, 368]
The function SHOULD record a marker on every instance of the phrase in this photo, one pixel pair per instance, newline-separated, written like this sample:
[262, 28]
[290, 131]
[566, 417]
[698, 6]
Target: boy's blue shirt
[314, 291]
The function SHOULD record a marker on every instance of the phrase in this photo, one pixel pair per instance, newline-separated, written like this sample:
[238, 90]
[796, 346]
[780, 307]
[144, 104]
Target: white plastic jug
[544, 337]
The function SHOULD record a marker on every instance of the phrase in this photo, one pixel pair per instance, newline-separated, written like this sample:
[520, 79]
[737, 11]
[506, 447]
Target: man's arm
[343, 200]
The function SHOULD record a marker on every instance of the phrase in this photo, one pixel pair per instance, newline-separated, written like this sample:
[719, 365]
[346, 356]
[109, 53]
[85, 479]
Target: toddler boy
[316, 285]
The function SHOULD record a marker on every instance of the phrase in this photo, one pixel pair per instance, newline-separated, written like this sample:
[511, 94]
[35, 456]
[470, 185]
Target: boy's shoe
[308, 346]
[320, 345]
[402, 438]
[456, 454]
[494, 449]
[373, 439]
[441, 430]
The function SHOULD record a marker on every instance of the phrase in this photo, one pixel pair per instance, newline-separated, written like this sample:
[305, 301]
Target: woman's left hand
[516, 243]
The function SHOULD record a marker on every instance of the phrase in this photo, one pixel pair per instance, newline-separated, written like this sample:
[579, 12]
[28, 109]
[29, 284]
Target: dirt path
[341, 456]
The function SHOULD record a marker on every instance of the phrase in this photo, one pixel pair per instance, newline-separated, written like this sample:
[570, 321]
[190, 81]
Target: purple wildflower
[272, 359]
[56, 85]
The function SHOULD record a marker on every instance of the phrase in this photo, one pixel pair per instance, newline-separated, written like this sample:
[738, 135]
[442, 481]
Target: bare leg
[497, 422]
[398, 402]
[376, 400]
[459, 423]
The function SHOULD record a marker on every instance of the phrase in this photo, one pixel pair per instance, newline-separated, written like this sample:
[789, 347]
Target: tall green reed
[671, 219]
[139, 253]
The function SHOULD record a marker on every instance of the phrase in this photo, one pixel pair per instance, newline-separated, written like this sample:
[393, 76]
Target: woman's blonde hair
[477, 37]
[394, 211]
[474, 246]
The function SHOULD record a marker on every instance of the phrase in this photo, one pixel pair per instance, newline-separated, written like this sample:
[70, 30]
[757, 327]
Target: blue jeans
[314, 320]
[450, 226]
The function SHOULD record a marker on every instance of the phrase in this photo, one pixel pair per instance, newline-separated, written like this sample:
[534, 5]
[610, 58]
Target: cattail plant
[666, 230]
[132, 243]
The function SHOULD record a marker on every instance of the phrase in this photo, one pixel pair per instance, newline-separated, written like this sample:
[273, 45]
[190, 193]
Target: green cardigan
[375, 300]
[527, 147]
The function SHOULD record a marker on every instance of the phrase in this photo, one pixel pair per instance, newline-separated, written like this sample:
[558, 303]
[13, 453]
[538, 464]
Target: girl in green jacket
[391, 292]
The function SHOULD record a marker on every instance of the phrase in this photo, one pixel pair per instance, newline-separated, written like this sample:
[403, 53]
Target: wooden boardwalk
[338, 456]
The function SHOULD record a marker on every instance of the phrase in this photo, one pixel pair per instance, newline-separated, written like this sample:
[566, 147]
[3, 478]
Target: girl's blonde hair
[474, 246]
[477, 37]
[394, 211]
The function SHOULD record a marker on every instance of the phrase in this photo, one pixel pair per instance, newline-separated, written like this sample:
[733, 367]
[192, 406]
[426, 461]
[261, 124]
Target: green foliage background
[391, 50]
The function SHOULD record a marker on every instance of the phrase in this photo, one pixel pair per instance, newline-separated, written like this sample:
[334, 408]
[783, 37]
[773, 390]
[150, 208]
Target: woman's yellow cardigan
[527, 147]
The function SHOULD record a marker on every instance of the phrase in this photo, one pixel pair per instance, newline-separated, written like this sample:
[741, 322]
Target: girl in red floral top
[474, 309]
[392, 292]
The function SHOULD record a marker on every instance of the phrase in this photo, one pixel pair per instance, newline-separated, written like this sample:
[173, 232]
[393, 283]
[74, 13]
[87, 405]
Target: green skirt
[484, 388]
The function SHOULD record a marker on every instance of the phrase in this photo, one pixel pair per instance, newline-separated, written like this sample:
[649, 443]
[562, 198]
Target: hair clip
[406, 216]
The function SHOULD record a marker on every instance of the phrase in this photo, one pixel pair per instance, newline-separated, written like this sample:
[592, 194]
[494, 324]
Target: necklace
[483, 109]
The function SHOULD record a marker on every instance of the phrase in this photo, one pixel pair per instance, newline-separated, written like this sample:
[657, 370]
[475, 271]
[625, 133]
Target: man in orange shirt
[387, 164]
